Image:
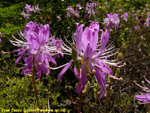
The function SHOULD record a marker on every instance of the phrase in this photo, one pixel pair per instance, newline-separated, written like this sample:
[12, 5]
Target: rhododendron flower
[144, 97]
[35, 48]
[112, 20]
[124, 16]
[93, 56]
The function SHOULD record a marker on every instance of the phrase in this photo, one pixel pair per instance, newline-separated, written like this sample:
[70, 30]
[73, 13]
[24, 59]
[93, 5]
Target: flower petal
[100, 77]
[144, 97]
[76, 73]
[17, 60]
[64, 70]
[79, 32]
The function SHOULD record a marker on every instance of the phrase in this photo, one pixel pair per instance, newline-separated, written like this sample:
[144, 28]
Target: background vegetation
[16, 90]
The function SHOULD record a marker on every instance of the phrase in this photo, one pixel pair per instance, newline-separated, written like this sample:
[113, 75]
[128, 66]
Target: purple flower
[120, 10]
[147, 23]
[144, 97]
[90, 8]
[112, 20]
[77, 14]
[93, 56]
[124, 16]
[0, 40]
[73, 12]
[68, 15]
[146, 5]
[59, 18]
[28, 8]
[106, 3]
[70, 9]
[78, 6]
[141, 36]
[36, 9]
[136, 27]
[25, 15]
[35, 48]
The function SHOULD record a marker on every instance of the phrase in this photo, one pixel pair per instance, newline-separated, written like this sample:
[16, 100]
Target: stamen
[48, 67]
[121, 79]
[93, 71]
[82, 61]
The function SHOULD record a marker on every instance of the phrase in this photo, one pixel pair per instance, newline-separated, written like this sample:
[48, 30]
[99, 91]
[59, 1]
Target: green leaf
[125, 34]
[74, 56]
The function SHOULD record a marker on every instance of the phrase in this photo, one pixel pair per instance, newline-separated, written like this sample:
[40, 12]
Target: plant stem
[79, 104]
[33, 78]
[96, 98]
[111, 80]
[147, 106]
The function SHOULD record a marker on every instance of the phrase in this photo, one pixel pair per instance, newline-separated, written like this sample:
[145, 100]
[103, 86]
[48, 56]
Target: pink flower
[112, 20]
[35, 48]
[92, 56]
[144, 97]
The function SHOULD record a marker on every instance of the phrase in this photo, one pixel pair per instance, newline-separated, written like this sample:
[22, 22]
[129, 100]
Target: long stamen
[57, 67]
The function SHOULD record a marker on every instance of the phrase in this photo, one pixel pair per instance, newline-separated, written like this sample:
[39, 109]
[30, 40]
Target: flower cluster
[144, 97]
[136, 27]
[72, 11]
[26, 11]
[91, 56]
[124, 16]
[112, 20]
[90, 8]
[36, 48]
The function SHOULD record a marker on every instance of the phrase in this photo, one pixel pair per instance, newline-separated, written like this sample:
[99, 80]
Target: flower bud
[87, 87]
[94, 95]
[94, 89]
[119, 55]
[108, 78]
[37, 81]
[29, 75]
[117, 72]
